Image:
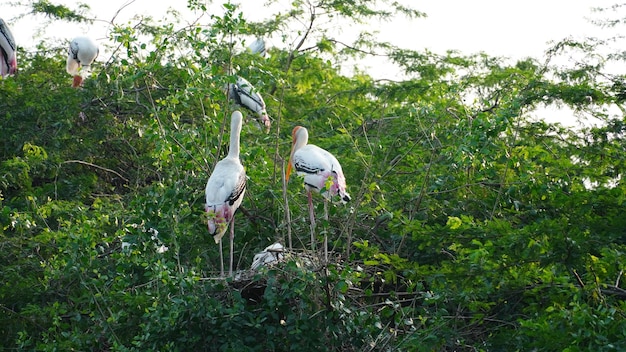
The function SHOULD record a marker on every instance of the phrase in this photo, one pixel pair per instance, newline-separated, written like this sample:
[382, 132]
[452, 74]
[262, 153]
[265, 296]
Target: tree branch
[96, 166]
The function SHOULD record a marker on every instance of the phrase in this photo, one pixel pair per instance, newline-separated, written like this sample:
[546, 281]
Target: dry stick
[83, 163]
[277, 158]
[311, 219]
[287, 212]
[292, 53]
[128, 3]
[326, 231]
[578, 279]
[96, 166]
[357, 201]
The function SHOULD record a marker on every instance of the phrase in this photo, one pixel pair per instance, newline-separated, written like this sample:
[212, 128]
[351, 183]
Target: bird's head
[265, 120]
[77, 82]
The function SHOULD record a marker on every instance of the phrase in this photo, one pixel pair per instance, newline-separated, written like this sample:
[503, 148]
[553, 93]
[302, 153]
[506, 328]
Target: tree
[473, 226]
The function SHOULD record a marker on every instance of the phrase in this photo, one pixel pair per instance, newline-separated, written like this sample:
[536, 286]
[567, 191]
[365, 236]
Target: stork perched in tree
[8, 51]
[322, 173]
[80, 55]
[258, 47]
[245, 95]
[225, 190]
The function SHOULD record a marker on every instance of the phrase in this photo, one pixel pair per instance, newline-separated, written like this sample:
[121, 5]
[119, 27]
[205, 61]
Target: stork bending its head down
[321, 170]
[225, 190]
[8, 51]
[80, 55]
[245, 95]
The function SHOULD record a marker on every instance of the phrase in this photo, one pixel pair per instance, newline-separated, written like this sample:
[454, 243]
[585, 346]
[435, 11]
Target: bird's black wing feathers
[301, 167]
[234, 93]
[239, 189]
[247, 90]
[4, 30]
[73, 52]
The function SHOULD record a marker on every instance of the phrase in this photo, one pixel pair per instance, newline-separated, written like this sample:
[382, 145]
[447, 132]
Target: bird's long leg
[326, 232]
[312, 218]
[232, 245]
[221, 260]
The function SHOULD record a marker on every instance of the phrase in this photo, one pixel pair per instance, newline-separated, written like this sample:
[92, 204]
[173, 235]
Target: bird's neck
[235, 132]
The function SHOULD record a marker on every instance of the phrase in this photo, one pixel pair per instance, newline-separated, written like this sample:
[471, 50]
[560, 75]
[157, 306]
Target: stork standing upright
[8, 51]
[245, 95]
[225, 190]
[80, 55]
[322, 173]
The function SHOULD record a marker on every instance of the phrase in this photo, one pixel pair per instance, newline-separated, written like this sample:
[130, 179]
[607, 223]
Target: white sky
[516, 30]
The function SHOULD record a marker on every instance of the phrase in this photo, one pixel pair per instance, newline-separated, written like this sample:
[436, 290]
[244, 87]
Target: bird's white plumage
[258, 47]
[322, 173]
[317, 166]
[8, 51]
[271, 254]
[225, 190]
[81, 53]
[244, 94]
[227, 184]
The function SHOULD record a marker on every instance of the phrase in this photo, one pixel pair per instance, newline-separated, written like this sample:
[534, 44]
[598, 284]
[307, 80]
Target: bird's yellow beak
[288, 170]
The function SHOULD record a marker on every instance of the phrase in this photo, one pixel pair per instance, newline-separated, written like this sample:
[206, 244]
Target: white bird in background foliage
[258, 47]
[322, 173]
[80, 55]
[225, 190]
[271, 254]
[245, 95]
[8, 51]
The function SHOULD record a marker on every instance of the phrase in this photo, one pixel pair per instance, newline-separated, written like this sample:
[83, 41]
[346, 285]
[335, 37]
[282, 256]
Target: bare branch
[95, 166]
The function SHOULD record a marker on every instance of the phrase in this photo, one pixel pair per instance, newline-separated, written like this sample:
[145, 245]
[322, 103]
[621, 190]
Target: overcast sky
[516, 30]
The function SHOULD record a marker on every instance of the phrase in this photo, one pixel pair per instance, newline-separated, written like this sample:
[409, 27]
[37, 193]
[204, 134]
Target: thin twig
[580, 281]
[96, 166]
[287, 212]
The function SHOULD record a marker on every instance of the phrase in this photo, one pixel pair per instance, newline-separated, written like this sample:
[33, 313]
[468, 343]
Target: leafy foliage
[473, 226]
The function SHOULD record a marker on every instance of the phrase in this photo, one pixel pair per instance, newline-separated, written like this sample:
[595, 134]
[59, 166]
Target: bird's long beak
[293, 144]
[288, 170]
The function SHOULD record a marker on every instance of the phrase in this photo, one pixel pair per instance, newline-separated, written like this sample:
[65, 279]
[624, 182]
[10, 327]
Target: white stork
[8, 51]
[225, 190]
[322, 173]
[245, 95]
[80, 55]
